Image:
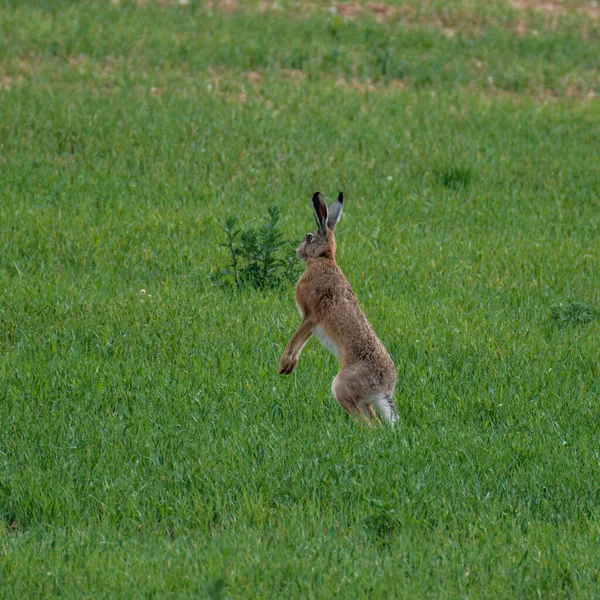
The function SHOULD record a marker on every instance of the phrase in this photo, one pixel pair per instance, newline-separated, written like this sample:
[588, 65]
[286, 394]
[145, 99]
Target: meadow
[148, 447]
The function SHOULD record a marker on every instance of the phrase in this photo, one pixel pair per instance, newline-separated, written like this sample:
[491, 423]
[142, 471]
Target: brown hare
[330, 310]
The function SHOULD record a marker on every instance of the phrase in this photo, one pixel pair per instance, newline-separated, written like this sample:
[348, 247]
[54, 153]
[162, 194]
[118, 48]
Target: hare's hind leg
[367, 409]
[353, 388]
[344, 397]
[349, 395]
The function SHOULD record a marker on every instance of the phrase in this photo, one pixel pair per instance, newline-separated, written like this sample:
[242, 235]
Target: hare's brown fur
[330, 310]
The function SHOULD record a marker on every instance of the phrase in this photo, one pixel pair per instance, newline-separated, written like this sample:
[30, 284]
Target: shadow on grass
[572, 314]
[454, 178]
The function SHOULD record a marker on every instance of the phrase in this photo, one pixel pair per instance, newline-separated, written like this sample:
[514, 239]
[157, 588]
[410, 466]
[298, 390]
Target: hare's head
[321, 243]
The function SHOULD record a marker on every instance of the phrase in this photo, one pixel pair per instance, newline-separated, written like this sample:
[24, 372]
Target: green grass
[148, 447]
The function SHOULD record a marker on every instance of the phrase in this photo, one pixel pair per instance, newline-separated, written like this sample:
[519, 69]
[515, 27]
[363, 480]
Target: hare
[330, 310]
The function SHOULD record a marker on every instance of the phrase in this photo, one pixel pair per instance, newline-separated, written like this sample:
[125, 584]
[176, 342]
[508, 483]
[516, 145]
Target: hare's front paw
[287, 364]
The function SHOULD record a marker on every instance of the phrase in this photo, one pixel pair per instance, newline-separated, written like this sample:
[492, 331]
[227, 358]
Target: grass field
[148, 447]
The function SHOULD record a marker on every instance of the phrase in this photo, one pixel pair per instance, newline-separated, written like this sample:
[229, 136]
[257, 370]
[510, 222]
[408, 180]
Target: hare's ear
[320, 209]
[335, 212]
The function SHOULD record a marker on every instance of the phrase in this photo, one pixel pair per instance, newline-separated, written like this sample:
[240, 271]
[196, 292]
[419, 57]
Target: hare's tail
[387, 409]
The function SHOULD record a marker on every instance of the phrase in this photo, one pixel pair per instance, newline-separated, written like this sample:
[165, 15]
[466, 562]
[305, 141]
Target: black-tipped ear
[320, 209]
[335, 212]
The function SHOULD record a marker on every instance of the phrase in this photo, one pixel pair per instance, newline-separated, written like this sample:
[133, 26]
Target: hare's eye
[309, 237]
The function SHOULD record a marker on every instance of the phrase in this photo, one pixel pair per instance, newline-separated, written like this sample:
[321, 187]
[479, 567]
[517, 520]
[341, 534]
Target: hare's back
[344, 319]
